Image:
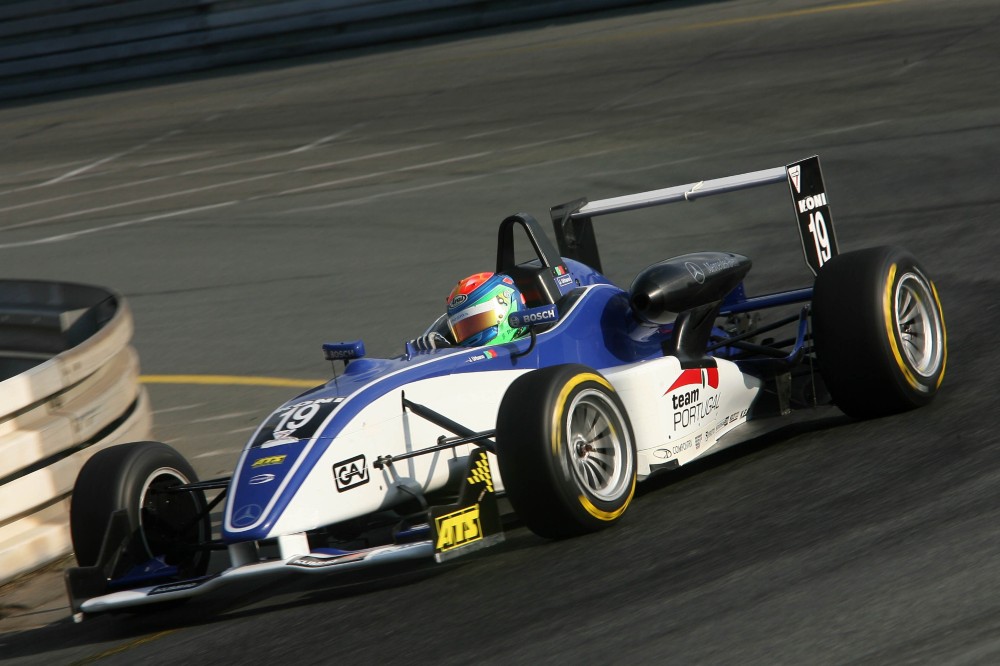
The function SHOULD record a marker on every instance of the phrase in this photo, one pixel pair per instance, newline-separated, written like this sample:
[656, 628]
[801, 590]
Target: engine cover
[661, 291]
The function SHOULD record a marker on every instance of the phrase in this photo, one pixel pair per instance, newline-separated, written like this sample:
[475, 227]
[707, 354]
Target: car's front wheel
[163, 524]
[566, 451]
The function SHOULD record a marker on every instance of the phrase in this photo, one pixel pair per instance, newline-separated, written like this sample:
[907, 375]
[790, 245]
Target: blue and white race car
[404, 458]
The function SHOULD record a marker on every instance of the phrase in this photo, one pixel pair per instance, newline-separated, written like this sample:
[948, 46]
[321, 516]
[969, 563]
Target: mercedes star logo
[696, 272]
[246, 515]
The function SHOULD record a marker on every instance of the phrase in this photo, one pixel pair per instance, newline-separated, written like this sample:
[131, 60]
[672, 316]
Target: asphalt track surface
[249, 215]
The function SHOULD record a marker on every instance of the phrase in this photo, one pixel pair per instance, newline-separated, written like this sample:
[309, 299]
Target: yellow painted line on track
[231, 380]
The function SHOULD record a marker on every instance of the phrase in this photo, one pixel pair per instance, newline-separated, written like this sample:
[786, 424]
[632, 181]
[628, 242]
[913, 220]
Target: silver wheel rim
[599, 448]
[918, 324]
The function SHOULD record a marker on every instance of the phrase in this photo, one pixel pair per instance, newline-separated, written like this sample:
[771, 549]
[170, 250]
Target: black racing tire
[165, 525]
[566, 451]
[879, 332]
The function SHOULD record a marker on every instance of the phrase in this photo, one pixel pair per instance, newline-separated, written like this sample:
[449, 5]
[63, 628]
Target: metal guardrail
[54, 45]
[69, 386]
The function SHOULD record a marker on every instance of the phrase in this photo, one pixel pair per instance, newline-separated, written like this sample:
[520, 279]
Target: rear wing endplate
[574, 227]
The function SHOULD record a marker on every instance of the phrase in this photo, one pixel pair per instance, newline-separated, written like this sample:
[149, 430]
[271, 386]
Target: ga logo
[350, 473]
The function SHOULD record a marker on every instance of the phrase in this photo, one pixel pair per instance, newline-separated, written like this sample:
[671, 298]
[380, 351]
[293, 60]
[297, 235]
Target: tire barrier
[55, 45]
[69, 387]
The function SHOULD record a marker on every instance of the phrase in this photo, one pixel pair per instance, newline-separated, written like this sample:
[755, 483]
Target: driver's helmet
[478, 307]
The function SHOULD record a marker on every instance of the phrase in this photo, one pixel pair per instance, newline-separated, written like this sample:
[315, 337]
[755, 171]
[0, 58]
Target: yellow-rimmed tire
[879, 332]
[566, 451]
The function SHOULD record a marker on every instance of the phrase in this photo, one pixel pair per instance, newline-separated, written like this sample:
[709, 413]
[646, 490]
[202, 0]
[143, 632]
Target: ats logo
[695, 396]
[268, 460]
[458, 529]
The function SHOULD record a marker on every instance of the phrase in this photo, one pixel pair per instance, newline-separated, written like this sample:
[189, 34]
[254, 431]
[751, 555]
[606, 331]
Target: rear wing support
[574, 228]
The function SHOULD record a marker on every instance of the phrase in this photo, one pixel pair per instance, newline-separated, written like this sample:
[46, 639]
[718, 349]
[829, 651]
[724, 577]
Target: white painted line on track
[368, 176]
[239, 431]
[319, 142]
[349, 179]
[224, 417]
[109, 158]
[217, 452]
[31, 172]
[480, 135]
[116, 225]
[193, 172]
[176, 158]
[444, 183]
[179, 408]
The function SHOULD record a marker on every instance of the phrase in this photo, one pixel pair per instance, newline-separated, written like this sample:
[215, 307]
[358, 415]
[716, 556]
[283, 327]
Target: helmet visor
[474, 319]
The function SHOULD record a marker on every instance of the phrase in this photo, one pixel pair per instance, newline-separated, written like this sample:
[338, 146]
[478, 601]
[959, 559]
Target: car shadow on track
[782, 434]
[296, 591]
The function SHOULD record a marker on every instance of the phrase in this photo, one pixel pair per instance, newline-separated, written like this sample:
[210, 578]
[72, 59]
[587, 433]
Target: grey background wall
[56, 45]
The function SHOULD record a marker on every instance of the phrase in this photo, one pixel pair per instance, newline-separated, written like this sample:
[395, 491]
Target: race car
[404, 458]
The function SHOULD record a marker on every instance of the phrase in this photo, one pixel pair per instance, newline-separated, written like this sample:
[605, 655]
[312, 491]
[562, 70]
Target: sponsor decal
[480, 473]
[696, 377]
[685, 399]
[458, 300]
[691, 406]
[795, 175]
[543, 315]
[486, 355]
[261, 479]
[458, 528]
[268, 460]
[713, 267]
[811, 203]
[695, 271]
[682, 447]
[246, 515]
[343, 351]
[697, 441]
[350, 473]
[564, 280]
[706, 268]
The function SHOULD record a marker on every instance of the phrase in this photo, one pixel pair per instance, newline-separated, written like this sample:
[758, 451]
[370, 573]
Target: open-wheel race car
[403, 458]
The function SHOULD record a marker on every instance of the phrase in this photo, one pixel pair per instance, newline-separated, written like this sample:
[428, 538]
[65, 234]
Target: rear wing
[574, 226]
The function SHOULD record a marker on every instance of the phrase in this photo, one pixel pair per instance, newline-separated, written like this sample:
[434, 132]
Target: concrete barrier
[69, 386]
[55, 45]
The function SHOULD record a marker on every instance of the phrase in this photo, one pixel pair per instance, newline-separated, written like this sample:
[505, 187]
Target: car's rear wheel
[163, 525]
[879, 332]
[566, 451]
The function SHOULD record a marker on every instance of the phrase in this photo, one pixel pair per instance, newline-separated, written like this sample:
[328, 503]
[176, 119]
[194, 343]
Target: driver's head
[478, 307]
